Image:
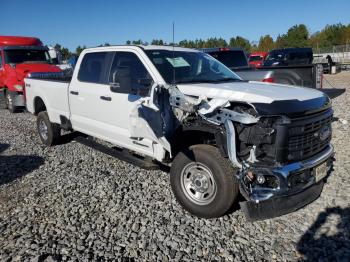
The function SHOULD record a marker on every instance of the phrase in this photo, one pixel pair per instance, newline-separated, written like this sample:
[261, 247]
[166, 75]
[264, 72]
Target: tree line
[296, 36]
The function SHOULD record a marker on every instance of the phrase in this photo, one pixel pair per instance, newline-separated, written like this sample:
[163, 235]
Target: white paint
[251, 92]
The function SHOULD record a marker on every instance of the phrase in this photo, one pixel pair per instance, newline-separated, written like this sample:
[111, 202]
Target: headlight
[18, 87]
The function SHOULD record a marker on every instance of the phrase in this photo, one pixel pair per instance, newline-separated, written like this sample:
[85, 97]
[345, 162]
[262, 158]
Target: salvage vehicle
[306, 75]
[221, 136]
[20, 56]
[256, 59]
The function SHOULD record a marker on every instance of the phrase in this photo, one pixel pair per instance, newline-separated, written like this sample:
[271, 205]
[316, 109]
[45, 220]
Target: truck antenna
[173, 43]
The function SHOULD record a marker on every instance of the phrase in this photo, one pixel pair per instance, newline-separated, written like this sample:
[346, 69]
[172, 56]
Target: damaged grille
[309, 136]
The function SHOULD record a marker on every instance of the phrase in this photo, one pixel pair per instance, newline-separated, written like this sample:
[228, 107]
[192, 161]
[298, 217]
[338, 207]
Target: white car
[220, 136]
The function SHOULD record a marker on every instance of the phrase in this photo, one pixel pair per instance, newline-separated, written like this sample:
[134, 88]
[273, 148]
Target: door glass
[94, 68]
[129, 75]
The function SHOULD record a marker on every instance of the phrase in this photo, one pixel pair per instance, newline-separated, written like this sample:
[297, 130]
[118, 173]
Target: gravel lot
[72, 203]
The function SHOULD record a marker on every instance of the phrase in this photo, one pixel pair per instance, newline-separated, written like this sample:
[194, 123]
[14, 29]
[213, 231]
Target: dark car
[301, 73]
[289, 56]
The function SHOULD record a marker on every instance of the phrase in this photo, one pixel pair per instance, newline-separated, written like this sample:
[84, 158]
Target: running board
[122, 154]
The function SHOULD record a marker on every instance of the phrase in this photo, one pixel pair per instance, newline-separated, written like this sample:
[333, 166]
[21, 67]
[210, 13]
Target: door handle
[107, 98]
[74, 93]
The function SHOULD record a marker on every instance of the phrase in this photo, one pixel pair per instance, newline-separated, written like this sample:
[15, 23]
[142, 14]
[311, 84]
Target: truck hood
[267, 98]
[22, 70]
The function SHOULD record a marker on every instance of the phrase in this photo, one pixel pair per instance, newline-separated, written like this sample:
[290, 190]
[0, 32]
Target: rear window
[94, 67]
[231, 58]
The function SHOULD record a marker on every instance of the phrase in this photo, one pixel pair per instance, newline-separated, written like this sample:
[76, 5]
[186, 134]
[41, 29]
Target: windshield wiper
[191, 81]
[227, 80]
[208, 80]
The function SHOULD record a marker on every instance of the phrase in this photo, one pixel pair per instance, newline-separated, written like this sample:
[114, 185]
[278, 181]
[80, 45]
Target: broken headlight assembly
[259, 184]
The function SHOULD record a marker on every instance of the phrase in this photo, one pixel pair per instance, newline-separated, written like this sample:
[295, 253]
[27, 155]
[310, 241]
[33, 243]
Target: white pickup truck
[220, 136]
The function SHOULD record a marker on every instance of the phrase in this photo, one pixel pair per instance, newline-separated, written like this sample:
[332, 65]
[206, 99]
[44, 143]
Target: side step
[122, 154]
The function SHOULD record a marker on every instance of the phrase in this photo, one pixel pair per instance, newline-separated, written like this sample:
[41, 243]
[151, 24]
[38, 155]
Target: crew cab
[221, 136]
[306, 75]
[20, 56]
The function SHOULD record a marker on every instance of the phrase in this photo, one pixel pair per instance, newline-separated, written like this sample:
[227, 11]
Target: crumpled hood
[22, 70]
[267, 98]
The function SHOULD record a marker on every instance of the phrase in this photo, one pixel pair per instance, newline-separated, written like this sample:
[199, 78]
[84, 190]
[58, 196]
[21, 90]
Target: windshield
[26, 56]
[190, 67]
[255, 58]
[231, 58]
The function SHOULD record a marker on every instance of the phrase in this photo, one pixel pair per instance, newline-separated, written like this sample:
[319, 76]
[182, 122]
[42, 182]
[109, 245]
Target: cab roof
[144, 47]
[19, 41]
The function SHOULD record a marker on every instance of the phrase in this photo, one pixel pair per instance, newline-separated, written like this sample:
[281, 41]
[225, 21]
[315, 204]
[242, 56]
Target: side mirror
[114, 87]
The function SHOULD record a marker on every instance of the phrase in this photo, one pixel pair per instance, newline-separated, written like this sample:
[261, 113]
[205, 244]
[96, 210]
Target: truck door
[104, 104]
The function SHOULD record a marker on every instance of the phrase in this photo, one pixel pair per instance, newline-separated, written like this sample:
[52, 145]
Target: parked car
[256, 59]
[182, 108]
[300, 75]
[289, 57]
[20, 56]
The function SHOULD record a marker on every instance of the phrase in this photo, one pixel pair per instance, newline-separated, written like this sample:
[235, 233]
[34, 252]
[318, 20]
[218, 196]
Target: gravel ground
[72, 203]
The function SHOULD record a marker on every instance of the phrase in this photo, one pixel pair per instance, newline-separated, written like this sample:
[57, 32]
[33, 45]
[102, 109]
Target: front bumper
[263, 203]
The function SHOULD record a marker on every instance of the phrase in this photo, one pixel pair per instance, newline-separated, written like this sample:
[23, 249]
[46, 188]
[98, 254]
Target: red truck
[20, 56]
[256, 59]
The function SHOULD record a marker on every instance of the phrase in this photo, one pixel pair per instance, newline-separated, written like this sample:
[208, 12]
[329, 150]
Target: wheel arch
[186, 136]
[38, 105]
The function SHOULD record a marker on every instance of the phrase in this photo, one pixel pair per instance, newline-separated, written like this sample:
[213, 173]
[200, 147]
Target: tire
[2, 99]
[49, 133]
[9, 102]
[212, 189]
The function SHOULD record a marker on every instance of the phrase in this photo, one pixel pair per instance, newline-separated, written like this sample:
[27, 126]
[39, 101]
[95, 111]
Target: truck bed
[53, 91]
[299, 75]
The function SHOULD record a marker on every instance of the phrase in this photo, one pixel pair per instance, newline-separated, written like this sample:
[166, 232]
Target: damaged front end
[277, 171]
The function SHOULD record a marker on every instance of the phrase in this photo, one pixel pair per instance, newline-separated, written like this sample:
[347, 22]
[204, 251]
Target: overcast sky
[77, 22]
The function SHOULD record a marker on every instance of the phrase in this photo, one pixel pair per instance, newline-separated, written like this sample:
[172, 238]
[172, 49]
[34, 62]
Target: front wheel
[49, 133]
[3, 99]
[10, 102]
[203, 181]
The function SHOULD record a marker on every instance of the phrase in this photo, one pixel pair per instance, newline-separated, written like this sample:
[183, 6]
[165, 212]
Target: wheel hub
[43, 130]
[9, 101]
[198, 183]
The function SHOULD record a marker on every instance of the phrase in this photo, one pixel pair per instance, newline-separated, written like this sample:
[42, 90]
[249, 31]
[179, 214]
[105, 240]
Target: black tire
[204, 157]
[52, 134]
[2, 99]
[9, 102]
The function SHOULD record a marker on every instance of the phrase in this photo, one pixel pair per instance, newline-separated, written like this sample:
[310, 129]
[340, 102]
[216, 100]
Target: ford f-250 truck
[220, 135]
[20, 56]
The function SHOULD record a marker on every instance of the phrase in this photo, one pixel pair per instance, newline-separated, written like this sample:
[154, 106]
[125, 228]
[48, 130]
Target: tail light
[269, 80]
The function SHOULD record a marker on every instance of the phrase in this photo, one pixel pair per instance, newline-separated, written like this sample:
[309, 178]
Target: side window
[129, 75]
[94, 68]
[0, 60]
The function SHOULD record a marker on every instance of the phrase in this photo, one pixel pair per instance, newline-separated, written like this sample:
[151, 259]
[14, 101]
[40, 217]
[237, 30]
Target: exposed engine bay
[256, 144]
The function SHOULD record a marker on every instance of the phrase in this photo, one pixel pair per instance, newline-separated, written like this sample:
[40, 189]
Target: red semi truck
[20, 56]
[256, 59]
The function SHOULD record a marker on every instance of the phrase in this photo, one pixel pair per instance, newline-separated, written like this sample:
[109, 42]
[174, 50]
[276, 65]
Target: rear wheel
[203, 181]
[49, 133]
